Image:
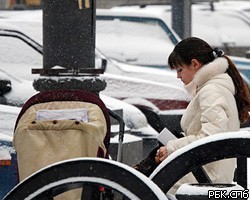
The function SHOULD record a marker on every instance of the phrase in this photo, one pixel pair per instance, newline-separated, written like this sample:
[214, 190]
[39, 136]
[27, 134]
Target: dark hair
[195, 48]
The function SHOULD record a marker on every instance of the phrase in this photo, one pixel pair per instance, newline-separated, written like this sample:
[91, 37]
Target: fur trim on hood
[207, 72]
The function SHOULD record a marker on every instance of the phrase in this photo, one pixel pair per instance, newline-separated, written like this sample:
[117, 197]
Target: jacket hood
[213, 71]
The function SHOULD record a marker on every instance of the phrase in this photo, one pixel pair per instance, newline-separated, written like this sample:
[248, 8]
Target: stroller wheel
[87, 173]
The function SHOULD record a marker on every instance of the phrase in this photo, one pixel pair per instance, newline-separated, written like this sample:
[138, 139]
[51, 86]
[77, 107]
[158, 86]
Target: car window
[131, 27]
[131, 40]
[216, 27]
[17, 56]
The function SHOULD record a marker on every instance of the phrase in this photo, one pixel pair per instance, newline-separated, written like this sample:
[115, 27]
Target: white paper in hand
[165, 135]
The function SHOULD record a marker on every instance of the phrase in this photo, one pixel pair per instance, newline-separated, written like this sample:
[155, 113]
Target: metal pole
[181, 17]
[69, 47]
[69, 34]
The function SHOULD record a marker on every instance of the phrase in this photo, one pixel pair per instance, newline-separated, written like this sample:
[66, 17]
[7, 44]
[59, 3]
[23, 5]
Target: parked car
[217, 36]
[172, 94]
[223, 24]
[175, 98]
[131, 36]
[18, 58]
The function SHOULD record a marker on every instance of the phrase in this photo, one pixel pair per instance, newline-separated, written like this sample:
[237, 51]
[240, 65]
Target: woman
[219, 102]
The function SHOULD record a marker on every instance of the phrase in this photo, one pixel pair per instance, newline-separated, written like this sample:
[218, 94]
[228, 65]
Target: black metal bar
[121, 132]
[201, 175]
[67, 175]
[80, 71]
[208, 152]
[241, 173]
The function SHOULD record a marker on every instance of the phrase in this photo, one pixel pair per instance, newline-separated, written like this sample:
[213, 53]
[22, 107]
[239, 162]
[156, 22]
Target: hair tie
[218, 53]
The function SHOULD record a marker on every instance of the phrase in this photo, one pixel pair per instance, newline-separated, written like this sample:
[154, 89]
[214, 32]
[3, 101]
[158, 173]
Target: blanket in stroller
[41, 141]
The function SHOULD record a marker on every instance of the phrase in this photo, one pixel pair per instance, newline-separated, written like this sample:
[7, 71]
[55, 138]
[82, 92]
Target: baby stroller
[58, 125]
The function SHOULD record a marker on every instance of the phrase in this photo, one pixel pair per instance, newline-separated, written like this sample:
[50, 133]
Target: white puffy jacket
[212, 110]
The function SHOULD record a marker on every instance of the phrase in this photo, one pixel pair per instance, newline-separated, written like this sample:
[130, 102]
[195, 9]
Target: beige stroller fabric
[39, 143]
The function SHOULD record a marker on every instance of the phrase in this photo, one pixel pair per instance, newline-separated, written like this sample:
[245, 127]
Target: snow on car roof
[204, 20]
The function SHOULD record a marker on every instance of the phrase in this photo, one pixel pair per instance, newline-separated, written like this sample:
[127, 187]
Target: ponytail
[241, 92]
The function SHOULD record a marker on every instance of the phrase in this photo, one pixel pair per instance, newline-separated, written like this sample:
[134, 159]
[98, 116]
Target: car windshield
[133, 40]
[18, 57]
[218, 26]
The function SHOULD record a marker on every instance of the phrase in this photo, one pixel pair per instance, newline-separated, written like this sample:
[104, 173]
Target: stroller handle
[121, 132]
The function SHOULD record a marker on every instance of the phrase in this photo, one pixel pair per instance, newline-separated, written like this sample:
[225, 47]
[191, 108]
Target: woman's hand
[161, 154]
